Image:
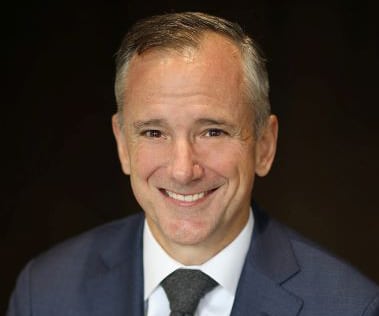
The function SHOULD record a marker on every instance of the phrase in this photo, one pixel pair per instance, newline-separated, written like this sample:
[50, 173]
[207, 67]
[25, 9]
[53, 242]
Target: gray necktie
[184, 289]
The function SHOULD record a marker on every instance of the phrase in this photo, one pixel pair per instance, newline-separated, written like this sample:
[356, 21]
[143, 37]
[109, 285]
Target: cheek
[228, 160]
[145, 160]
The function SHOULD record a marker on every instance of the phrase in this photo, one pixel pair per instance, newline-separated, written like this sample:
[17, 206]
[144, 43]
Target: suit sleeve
[20, 301]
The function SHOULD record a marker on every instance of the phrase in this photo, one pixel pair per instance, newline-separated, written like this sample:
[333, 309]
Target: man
[193, 129]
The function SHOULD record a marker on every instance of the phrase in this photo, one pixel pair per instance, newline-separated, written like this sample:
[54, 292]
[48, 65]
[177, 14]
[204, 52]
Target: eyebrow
[153, 122]
[160, 122]
[211, 121]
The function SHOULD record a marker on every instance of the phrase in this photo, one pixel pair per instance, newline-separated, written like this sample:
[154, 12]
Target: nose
[184, 165]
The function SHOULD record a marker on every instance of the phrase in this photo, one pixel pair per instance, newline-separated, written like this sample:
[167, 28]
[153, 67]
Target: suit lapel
[257, 296]
[115, 281]
[269, 263]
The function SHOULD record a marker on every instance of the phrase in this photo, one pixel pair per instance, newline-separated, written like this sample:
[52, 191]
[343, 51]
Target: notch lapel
[115, 281]
[259, 296]
[269, 263]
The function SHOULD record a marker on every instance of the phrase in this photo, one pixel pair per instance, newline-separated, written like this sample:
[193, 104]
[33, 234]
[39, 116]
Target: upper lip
[207, 191]
[186, 193]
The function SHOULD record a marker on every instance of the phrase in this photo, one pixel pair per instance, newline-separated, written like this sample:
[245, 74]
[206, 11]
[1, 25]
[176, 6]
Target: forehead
[214, 59]
[213, 50]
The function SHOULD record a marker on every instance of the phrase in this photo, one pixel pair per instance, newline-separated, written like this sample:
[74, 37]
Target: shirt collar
[157, 264]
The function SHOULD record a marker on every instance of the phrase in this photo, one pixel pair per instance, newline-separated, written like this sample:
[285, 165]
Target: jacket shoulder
[78, 249]
[62, 272]
[325, 280]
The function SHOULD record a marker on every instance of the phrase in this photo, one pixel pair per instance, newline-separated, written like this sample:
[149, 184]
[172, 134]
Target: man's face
[188, 144]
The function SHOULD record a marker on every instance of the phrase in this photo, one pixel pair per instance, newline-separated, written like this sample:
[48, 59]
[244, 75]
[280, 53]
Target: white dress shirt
[225, 268]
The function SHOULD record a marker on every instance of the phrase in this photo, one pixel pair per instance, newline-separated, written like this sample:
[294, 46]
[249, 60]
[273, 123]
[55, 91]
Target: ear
[266, 147]
[122, 149]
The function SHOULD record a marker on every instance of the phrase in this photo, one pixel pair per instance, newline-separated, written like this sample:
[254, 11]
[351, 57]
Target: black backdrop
[61, 175]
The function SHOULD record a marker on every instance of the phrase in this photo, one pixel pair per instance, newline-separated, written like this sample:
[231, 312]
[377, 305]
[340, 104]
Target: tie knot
[184, 289]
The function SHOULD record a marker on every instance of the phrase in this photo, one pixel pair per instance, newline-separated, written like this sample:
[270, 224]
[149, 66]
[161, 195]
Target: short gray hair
[182, 30]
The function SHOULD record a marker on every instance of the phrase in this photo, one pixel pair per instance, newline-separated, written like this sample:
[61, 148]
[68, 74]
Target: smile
[185, 197]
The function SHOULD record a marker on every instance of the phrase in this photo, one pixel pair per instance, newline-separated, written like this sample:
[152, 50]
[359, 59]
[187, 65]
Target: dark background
[61, 174]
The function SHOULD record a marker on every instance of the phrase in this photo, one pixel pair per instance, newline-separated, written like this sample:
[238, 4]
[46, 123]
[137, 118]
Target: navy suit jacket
[100, 274]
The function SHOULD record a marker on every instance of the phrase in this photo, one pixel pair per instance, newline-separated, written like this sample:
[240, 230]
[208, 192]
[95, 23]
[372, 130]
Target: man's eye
[153, 133]
[212, 132]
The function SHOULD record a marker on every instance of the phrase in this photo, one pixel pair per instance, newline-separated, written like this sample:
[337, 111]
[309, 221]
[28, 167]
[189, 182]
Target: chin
[187, 233]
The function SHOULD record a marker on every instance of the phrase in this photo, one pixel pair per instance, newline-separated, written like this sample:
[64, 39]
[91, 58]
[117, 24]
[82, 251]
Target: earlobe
[122, 149]
[266, 147]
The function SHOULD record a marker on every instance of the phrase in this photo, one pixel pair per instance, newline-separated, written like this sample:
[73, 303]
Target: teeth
[185, 198]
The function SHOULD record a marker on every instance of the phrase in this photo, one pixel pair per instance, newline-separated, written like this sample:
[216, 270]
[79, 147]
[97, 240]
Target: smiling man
[193, 129]
[186, 137]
